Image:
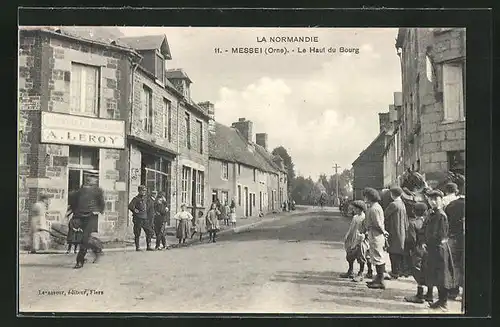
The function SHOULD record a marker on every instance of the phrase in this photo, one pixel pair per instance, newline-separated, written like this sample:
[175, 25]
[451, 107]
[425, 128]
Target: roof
[268, 157]
[178, 73]
[381, 134]
[229, 145]
[148, 42]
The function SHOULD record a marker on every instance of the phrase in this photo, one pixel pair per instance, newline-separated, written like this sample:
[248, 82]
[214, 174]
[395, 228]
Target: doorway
[246, 202]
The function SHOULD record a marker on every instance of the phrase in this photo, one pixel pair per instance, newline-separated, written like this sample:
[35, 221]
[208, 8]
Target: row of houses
[424, 129]
[110, 107]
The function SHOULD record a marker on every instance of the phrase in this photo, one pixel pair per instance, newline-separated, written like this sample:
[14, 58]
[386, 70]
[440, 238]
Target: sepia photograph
[237, 170]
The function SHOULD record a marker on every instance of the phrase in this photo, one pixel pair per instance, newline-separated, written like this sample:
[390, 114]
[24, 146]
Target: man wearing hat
[141, 207]
[374, 224]
[353, 241]
[450, 194]
[396, 224]
[455, 211]
[86, 204]
[439, 271]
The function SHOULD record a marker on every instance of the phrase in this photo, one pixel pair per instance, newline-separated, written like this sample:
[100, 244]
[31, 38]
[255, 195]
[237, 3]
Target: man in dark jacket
[143, 212]
[86, 205]
[455, 211]
[396, 223]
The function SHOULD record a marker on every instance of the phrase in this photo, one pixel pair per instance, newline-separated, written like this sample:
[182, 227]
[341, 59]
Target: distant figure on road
[353, 241]
[140, 207]
[213, 222]
[38, 224]
[376, 235]
[232, 208]
[183, 219]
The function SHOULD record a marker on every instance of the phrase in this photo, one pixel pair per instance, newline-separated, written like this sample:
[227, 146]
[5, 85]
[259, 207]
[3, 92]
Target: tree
[288, 162]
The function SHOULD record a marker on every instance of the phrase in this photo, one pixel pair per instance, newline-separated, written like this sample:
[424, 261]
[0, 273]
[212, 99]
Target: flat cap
[396, 191]
[420, 207]
[371, 194]
[435, 194]
[359, 204]
[451, 188]
[141, 187]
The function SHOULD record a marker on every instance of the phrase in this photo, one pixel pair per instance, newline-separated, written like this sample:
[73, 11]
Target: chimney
[384, 121]
[393, 114]
[398, 99]
[261, 139]
[209, 108]
[245, 128]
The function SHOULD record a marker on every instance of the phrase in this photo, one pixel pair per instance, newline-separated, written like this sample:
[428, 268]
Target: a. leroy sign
[84, 131]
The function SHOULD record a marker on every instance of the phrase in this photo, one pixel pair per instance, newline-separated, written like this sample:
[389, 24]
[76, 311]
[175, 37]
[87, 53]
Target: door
[214, 196]
[260, 201]
[250, 211]
[246, 201]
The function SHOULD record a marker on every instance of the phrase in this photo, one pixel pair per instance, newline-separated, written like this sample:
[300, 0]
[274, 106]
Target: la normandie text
[288, 39]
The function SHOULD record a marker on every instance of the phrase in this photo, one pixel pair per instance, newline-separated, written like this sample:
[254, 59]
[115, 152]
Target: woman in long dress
[213, 222]
[183, 218]
[232, 213]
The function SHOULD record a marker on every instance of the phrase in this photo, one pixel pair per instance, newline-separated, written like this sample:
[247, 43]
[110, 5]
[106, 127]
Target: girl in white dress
[183, 218]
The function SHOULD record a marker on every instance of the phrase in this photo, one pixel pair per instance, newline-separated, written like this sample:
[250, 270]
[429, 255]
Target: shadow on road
[327, 227]
[338, 290]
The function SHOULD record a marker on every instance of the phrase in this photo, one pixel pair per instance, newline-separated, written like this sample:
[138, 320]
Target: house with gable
[244, 170]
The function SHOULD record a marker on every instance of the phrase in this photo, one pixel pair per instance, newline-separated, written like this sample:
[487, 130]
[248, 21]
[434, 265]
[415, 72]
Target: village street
[287, 265]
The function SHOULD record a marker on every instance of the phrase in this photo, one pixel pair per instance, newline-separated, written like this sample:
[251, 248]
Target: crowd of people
[427, 242]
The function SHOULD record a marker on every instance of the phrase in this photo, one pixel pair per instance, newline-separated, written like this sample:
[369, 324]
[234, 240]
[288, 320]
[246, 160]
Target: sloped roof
[148, 42]
[381, 134]
[97, 33]
[269, 158]
[178, 73]
[229, 145]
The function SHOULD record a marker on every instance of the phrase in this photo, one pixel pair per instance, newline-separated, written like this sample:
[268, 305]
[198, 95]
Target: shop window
[156, 174]
[84, 90]
[83, 162]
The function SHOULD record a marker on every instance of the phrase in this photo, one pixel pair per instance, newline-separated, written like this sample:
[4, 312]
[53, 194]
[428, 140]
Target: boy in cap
[414, 245]
[141, 211]
[396, 224]
[439, 270]
[353, 241]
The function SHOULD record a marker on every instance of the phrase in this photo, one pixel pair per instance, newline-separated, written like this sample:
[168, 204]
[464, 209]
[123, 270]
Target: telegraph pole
[337, 180]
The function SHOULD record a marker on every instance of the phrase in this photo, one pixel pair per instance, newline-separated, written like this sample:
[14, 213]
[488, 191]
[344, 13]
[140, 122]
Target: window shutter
[452, 92]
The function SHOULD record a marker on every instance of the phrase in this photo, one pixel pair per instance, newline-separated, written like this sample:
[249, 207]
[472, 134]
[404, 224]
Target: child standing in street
[354, 241]
[75, 234]
[201, 225]
[212, 222]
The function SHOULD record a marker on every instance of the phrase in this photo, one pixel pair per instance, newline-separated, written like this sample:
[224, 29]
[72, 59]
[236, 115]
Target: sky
[322, 107]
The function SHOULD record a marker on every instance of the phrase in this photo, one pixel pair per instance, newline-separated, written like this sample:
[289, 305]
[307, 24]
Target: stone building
[242, 169]
[433, 104]
[368, 168]
[393, 161]
[168, 133]
[73, 104]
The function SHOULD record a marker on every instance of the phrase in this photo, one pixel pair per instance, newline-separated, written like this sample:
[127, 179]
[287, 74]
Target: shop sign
[83, 131]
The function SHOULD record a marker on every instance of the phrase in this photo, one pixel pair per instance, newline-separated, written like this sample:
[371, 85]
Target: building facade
[242, 170]
[168, 133]
[73, 104]
[368, 168]
[393, 160]
[433, 104]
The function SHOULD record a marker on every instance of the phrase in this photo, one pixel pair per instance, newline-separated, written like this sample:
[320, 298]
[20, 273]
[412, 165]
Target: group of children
[426, 249]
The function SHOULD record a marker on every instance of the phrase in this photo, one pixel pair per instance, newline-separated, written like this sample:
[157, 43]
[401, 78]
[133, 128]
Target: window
[453, 91]
[156, 174]
[239, 195]
[200, 188]
[84, 90]
[167, 119]
[187, 122]
[199, 125]
[147, 109]
[239, 169]
[159, 68]
[82, 162]
[254, 175]
[456, 161]
[428, 68]
[186, 174]
[225, 170]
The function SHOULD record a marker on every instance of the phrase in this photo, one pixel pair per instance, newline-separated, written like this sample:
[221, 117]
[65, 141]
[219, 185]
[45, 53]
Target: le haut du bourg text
[276, 45]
